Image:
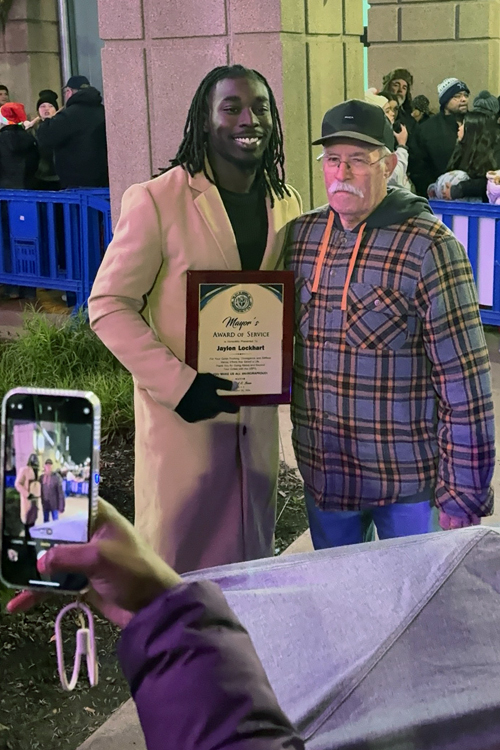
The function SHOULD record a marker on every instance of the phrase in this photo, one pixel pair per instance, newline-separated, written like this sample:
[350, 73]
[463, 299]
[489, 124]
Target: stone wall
[156, 53]
[29, 51]
[436, 40]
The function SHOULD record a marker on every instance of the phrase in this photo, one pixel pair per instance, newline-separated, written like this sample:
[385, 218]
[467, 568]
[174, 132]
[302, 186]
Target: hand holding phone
[50, 473]
[124, 573]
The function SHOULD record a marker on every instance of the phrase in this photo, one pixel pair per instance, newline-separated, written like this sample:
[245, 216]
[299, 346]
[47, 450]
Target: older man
[399, 82]
[392, 406]
[77, 136]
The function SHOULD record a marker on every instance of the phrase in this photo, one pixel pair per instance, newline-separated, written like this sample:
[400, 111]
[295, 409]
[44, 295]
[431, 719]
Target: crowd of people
[391, 405]
[453, 154]
[61, 147]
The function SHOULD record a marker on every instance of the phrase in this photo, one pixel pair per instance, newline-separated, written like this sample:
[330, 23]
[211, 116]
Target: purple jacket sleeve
[196, 679]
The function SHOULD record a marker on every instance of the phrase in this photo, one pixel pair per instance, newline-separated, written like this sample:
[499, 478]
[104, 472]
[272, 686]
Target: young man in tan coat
[206, 476]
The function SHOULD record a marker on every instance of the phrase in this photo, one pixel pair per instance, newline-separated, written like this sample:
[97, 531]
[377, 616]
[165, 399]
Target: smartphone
[49, 476]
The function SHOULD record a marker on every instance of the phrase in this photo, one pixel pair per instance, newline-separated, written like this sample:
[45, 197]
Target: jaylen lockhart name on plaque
[240, 327]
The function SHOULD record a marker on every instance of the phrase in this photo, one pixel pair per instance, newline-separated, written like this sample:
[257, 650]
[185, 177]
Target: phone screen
[48, 481]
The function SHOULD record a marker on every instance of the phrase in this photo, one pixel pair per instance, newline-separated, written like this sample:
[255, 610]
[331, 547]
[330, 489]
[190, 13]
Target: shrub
[68, 354]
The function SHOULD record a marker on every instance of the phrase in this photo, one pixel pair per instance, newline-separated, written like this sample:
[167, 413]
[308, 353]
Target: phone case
[94, 476]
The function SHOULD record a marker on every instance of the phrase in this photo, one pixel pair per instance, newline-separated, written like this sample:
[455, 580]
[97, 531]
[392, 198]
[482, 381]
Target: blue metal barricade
[97, 228]
[54, 240]
[477, 227]
[75, 488]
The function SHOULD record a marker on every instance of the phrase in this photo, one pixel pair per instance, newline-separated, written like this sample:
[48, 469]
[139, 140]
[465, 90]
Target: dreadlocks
[192, 151]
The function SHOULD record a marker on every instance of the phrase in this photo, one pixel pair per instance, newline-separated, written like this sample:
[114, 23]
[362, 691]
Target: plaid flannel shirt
[391, 398]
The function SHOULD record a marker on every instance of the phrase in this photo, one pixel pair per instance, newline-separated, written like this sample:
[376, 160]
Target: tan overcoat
[205, 493]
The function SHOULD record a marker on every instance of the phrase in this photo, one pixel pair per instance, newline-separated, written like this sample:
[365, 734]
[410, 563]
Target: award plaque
[240, 327]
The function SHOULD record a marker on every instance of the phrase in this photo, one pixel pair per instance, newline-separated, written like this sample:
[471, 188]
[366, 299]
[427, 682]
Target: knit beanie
[421, 103]
[47, 96]
[448, 88]
[12, 113]
[487, 103]
[371, 97]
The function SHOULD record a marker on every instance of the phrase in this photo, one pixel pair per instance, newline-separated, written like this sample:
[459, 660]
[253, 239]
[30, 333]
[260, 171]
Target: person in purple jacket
[195, 677]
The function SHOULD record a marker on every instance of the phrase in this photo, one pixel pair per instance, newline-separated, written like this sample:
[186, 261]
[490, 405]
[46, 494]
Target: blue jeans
[342, 527]
[46, 515]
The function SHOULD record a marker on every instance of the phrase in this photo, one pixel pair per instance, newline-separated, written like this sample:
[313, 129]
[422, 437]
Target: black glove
[202, 400]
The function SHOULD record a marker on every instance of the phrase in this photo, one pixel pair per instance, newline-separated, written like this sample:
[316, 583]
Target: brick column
[435, 40]
[29, 51]
[156, 53]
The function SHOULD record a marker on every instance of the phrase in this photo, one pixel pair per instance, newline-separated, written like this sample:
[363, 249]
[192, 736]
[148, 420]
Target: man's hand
[402, 136]
[202, 400]
[124, 573]
[454, 522]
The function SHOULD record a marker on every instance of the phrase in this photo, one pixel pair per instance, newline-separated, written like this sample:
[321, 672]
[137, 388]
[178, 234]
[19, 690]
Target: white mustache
[345, 187]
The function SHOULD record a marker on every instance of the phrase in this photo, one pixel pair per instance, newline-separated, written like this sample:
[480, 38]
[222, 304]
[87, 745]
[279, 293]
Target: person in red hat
[18, 162]
[18, 149]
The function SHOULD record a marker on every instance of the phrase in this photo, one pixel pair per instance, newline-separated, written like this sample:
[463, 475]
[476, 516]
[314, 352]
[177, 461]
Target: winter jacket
[46, 176]
[399, 178]
[52, 493]
[205, 492]
[196, 679]
[475, 187]
[391, 391]
[493, 187]
[18, 158]
[431, 147]
[77, 135]
[28, 486]
[404, 117]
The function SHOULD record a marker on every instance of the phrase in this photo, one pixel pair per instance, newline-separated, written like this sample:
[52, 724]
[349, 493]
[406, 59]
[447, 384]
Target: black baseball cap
[357, 120]
[77, 82]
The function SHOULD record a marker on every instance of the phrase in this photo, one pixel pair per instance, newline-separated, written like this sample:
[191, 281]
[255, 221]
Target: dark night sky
[80, 442]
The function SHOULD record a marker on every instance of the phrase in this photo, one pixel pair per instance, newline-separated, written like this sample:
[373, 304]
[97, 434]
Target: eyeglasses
[357, 165]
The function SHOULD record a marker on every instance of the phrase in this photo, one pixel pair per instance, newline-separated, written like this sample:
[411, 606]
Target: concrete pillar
[436, 40]
[156, 54]
[29, 51]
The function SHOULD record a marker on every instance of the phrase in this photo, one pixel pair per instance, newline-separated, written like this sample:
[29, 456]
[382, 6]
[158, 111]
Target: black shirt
[248, 216]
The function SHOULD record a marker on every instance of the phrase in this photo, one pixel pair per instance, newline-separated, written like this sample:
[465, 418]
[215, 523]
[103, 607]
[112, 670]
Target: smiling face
[240, 124]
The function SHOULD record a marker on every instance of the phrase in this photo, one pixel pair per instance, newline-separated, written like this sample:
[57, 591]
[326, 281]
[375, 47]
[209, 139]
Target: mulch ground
[35, 713]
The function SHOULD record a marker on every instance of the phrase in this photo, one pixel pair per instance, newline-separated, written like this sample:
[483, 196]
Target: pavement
[12, 311]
